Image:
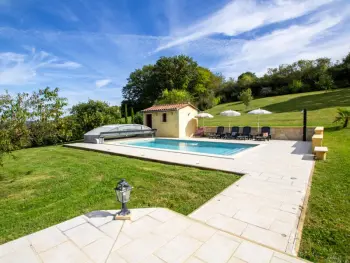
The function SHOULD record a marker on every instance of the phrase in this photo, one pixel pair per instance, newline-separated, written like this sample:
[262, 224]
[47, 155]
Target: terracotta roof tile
[168, 107]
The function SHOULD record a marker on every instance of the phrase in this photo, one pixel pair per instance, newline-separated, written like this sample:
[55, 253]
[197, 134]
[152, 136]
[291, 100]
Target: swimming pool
[203, 147]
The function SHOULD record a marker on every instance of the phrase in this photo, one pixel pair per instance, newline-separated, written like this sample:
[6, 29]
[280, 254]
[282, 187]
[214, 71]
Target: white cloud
[102, 82]
[65, 65]
[309, 41]
[18, 69]
[244, 15]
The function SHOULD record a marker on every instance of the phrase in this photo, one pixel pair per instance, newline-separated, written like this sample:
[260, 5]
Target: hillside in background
[286, 110]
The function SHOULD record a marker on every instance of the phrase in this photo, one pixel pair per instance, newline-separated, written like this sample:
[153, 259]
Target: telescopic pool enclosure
[115, 131]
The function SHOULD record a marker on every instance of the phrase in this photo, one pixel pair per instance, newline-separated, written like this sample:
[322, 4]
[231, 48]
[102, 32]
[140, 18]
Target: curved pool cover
[115, 131]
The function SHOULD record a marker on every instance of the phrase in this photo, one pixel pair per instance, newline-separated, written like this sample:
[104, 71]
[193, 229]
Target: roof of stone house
[168, 107]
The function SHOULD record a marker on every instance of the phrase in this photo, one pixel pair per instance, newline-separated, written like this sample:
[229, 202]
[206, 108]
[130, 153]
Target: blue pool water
[218, 148]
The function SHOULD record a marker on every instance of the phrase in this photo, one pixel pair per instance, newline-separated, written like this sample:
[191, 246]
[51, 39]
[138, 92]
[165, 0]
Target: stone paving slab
[264, 205]
[153, 235]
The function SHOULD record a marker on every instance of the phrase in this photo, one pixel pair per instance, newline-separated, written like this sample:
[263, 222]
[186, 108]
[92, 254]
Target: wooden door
[149, 120]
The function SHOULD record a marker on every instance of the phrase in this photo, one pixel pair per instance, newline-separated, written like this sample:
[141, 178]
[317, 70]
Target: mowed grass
[41, 187]
[326, 233]
[286, 110]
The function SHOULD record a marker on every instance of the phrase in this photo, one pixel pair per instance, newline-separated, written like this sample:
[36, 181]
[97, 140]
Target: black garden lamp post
[123, 190]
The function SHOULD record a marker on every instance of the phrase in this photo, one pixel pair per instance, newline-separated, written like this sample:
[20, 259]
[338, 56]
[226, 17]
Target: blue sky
[88, 48]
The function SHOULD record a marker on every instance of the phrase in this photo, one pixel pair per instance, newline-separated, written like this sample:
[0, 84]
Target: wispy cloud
[22, 68]
[320, 37]
[244, 15]
[102, 82]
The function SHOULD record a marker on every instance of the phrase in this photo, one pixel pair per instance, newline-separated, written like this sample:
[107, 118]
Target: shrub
[138, 119]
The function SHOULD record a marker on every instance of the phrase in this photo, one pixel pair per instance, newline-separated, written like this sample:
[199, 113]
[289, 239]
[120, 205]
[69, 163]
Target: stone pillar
[319, 130]
[316, 141]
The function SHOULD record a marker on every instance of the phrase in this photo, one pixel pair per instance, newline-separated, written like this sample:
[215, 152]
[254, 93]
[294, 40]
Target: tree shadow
[337, 98]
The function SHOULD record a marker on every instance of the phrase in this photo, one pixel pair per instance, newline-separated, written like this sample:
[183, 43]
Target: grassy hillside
[322, 107]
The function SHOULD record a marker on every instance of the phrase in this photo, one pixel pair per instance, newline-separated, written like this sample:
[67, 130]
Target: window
[164, 117]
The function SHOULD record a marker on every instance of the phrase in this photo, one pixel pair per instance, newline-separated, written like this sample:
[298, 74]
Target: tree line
[40, 119]
[180, 79]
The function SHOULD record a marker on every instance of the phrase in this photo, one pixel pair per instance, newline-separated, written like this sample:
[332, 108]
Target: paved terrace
[153, 236]
[264, 205]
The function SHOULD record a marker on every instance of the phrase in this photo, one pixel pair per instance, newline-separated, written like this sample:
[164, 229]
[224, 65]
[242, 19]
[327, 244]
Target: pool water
[217, 148]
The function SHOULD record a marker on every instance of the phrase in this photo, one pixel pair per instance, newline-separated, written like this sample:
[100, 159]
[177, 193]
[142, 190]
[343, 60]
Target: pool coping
[144, 158]
[230, 157]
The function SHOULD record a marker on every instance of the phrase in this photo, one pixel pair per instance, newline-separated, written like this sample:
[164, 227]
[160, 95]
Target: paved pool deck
[265, 205]
[155, 235]
[263, 208]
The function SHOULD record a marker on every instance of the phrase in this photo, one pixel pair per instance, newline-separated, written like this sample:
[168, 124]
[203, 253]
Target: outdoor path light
[123, 190]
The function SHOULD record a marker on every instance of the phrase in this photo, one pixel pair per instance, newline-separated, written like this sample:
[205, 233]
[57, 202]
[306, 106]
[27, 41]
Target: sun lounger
[219, 133]
[233, 134]
[264, 135]
[246, 134]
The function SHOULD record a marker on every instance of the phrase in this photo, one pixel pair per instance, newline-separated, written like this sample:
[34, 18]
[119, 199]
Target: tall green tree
[145, 86]
[174, 96]
[246, 96]
[132, 116]
[126, 113]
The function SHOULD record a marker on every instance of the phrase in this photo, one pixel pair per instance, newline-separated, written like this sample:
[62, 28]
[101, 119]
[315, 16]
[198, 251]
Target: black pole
[304, 125]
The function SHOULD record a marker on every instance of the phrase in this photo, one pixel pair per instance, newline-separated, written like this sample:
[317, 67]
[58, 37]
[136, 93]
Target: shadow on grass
[337, 98]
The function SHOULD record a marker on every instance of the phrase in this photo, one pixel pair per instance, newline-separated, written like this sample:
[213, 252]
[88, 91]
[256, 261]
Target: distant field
[286, 110]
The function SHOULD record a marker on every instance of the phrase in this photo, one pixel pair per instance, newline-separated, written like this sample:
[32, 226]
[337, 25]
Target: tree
[247, 79]
[126, 113]
[246, 96]
[93, 114]
[343, 117]
[139, 91]
[14, 133]
[32, 120]
[295, 86]
[132, 116]
[146, 86]
[325, 82]
[174, 96]
[138, 118]
[46, 126]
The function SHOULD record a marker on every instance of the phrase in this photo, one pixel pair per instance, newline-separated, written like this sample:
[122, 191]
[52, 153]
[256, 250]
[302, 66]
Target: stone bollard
[316, 141]
[319, 130]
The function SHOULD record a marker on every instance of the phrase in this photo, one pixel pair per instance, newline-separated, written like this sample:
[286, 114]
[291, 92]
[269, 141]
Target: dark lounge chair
[246, 134]
[233, 134]
[264, 135]
[219, 133]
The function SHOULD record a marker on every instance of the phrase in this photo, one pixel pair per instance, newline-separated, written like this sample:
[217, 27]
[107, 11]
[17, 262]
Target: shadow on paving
[338, 98]
[301, 149]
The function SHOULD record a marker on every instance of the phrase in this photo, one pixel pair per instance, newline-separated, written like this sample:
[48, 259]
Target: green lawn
[322, 107]
[326, 233]
[41, 187]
